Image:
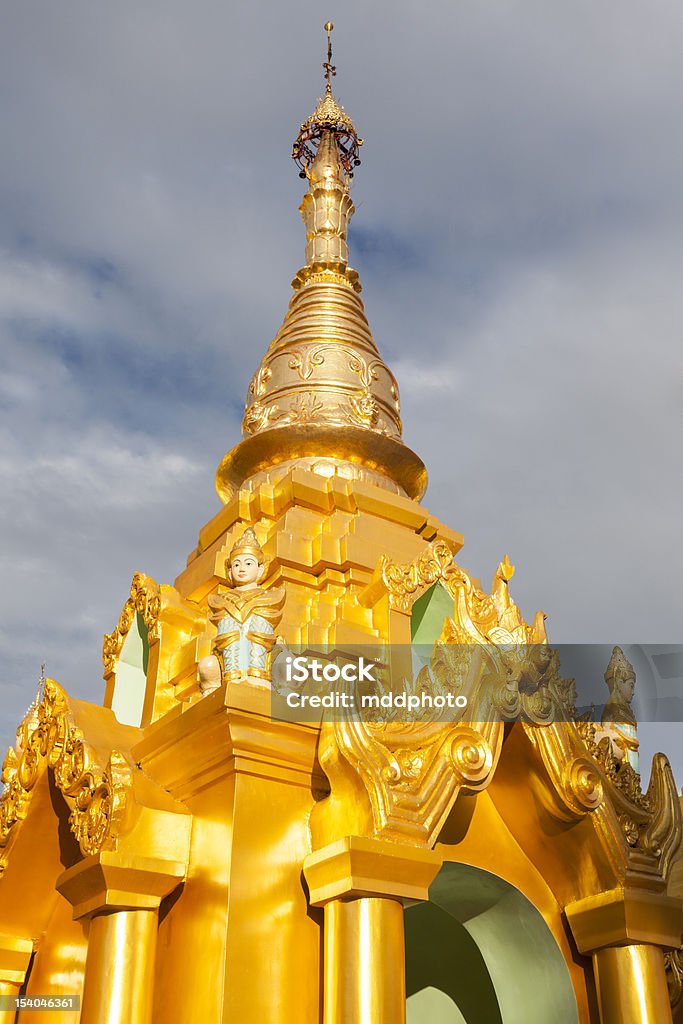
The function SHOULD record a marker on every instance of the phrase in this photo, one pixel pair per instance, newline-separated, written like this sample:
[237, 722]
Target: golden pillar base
[626, 932]
[361, 883]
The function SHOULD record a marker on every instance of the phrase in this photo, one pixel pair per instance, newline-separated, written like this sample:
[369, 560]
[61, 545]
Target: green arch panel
[497, 961]
[429, 613]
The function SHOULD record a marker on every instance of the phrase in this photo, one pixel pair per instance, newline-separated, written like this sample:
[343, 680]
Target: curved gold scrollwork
[411, 772]
[583, 787]
[471, 756]
[403, 581]
[95, 793]
[650, 821]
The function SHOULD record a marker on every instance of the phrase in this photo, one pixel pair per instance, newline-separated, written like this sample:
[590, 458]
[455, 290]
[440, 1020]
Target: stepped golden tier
[183, 854]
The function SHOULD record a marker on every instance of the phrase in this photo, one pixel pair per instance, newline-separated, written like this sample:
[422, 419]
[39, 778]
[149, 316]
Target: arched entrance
[480, 953]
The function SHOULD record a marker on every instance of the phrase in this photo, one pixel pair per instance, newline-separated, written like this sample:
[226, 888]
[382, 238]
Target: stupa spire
[326, 152]
[323, 397]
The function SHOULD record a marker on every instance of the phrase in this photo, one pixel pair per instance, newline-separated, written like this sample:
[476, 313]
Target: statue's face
[626, 686]
[245, 570]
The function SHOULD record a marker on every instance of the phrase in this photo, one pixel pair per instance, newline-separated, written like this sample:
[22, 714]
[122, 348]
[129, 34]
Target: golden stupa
[181, 854]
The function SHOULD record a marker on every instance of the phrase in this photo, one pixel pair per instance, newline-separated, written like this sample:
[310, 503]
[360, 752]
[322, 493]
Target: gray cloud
[518, 235]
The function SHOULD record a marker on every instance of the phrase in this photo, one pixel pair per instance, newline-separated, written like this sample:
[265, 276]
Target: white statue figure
[246, 618]
[619, 722]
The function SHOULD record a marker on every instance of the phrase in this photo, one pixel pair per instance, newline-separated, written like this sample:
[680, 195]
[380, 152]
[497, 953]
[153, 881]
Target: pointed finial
[328, 67]
[328, 117]
[35, 703]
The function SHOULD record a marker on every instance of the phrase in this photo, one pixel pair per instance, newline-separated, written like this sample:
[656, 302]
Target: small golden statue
[619, 723]
[246, 618]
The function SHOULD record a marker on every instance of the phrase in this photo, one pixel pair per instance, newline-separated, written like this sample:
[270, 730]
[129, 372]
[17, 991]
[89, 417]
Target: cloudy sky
[518, 234]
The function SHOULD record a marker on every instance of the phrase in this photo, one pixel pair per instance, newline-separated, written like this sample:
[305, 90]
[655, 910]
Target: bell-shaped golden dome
[323, 394]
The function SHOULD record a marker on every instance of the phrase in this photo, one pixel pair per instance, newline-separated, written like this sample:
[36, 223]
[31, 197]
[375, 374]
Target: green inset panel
[429, 614]
[131, 674]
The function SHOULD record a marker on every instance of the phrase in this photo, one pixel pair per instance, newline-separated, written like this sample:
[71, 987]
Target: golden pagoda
[184, 854]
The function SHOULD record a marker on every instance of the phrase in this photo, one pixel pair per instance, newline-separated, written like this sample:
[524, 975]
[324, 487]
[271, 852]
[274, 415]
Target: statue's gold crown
[246, 545]
[619, 668]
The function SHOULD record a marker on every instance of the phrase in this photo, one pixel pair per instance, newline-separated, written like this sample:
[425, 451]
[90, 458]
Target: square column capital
[625, 917]
[356, 866]
[15, 956]
[115, 881]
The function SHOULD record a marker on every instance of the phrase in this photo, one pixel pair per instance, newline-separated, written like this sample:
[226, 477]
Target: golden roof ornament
[323, 397]
[328, 116]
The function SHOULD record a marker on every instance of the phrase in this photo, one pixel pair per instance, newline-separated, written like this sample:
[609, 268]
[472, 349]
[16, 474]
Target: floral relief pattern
[358, 407]
[259, 416]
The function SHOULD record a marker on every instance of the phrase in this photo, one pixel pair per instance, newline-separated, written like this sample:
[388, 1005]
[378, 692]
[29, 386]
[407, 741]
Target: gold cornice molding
[229, 732]
[405, 583]
[293, 484]
[637, 833]
[353, 445]
[478, 618]
[399, 782]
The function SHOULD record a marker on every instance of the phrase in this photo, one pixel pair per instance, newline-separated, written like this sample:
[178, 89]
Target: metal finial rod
[328, 67]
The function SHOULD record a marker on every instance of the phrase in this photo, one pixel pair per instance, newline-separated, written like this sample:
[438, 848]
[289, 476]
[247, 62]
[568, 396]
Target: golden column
[15, 956]
[121, 894]
[627, 932]
[362, 883]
